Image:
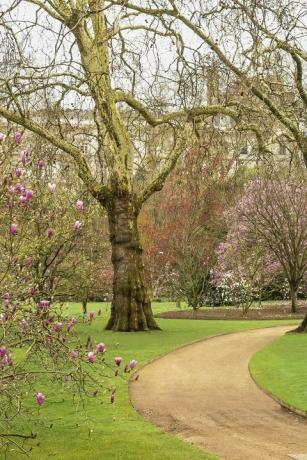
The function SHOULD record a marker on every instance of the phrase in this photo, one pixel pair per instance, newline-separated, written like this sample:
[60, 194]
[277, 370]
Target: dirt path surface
[204, 394]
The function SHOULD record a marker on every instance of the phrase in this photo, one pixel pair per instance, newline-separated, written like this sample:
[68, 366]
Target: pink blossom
[6, 296]
[51, 187]
[19, 188]
[24, 155]
[79, 205]
[50, 233]
[91, 357]
[40, 398]
[18, 137]
[91, 316]
[33, 291]
[40, 164]
[28, 194]
[14, 308]
[132, 364]
[23, 200]
[118, 360]
[43, 303]
[57, 327]
[13, 229]
[73, 354]
[77, 225]
[10, 189]
[101, 347]
[3, 351]
[70, 324]
[18, 172]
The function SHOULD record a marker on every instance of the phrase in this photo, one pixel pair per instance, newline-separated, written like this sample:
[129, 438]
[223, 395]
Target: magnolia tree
[268, 234]
[36, 342]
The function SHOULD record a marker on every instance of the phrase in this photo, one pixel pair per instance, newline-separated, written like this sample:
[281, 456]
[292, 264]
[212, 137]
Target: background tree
[272, 215]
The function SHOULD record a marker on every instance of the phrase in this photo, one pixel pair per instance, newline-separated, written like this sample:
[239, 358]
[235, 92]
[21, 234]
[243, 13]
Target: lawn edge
[283, 404]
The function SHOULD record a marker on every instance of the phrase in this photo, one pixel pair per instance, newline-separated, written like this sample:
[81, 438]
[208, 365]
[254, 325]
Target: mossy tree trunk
[131, 305]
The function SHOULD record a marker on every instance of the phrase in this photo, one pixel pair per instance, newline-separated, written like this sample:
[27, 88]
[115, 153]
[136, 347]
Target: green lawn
[117, 432]
[281, 369]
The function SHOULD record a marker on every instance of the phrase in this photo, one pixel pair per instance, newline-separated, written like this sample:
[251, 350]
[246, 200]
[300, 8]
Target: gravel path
[204, 394]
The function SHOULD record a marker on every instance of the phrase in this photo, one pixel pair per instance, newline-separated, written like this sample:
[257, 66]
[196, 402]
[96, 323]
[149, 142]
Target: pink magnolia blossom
[40, 164]
[51, 187]
[11, 189]
[19, 188]
[91, 316]
[50, 233]
[70, 324]
[77, 225]
[40, 398]
[18, 137]
[73, 354]
[43, 303]
[28, 194]
[79, 205]
[57, 327]
[24, 156]
[132, 364]
[101, 348]
[18, 172]
[13, 229]
[3, 351]
[91, 357]
[118, 360]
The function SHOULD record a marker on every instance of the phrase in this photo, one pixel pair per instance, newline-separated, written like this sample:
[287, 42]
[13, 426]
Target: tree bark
[131, 305]
[293, 296]
[302, 327]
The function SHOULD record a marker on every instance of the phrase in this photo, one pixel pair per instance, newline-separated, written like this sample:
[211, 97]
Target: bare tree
[78, 64]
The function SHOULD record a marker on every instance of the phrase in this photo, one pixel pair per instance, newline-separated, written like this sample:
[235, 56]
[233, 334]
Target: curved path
[204, 394]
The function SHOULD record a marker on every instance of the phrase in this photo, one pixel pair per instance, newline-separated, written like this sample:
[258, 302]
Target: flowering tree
[35, 340]
[268, 227]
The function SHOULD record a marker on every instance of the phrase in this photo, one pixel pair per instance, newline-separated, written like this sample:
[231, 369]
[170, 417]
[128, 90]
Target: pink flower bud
[132, 364]
[40, 398]
[18, 172]
[24, 155]
[29, 194]
[50, 233]
[51, 187]
[57, 327]
[79, 205]
[40, 164]
[77, 225]
[91, 357]
[43, 303]
[14, 308]
[6, 296]
[118, 361]
[101, 348]
[13, 229]
[23, 200]
[73, 354]
[3, 351]
[18, 137]
[19, 188]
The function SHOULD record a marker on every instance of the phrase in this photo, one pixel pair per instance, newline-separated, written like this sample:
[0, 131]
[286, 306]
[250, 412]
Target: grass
[281, 369]
[117, 432]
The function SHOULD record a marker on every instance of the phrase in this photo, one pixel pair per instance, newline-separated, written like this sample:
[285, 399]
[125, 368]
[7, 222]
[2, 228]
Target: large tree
[67, 69]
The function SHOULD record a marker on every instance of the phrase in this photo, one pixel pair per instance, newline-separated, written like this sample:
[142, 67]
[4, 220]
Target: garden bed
[278, 311]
